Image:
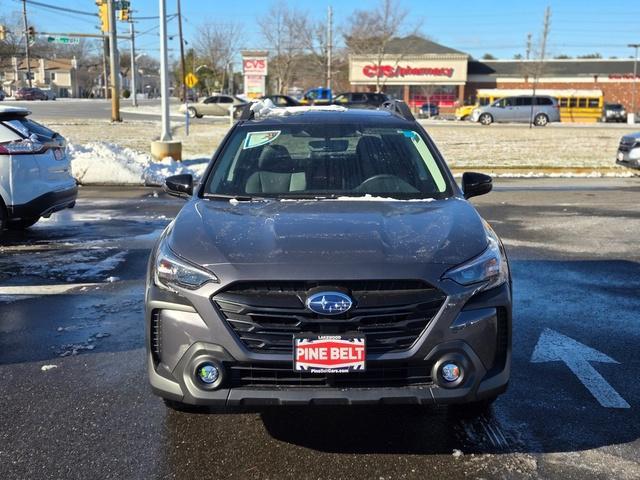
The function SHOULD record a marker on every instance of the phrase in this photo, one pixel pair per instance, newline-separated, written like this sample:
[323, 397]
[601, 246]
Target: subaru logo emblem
[329, 303]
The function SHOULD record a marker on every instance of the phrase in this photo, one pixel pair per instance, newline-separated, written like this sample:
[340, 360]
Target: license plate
[329, 353]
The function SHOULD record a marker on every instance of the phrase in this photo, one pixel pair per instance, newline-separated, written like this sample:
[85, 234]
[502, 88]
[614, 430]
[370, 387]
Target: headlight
[490, 266]
[172, 271]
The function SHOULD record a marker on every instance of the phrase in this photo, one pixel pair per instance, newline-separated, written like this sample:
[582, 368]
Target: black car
[360, 99]
[328, 257]
[282, 100]
[614, 112]
[428, 110]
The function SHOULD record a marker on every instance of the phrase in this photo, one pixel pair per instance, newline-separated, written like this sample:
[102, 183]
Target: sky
[476, 27]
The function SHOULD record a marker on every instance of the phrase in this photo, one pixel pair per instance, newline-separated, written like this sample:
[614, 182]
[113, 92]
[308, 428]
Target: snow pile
[263, 108]
[101, 163]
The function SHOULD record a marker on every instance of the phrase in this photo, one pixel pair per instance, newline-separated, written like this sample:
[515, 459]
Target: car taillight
[22, 148]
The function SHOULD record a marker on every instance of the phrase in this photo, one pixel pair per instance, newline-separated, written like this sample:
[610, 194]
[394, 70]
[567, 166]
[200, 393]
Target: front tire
[22, 224]
[540, 120]
[485, 119]
[193, 113]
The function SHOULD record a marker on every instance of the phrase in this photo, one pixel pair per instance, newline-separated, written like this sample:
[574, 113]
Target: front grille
[272, 375]
[391, 314]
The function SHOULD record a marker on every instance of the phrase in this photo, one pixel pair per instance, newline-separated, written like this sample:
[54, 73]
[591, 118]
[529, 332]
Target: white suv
[35, 172]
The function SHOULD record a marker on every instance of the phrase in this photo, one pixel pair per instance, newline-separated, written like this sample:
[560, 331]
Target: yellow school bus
[575, 105]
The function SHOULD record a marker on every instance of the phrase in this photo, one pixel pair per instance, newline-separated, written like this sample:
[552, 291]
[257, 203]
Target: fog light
[450, 372]
[208, 373]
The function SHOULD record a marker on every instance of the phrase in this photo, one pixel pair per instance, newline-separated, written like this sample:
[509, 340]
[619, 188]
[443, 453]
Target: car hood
[213, 232]
[631, 137]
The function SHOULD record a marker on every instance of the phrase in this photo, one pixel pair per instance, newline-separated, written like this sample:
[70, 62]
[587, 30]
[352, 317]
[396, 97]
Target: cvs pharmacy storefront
[417, 79]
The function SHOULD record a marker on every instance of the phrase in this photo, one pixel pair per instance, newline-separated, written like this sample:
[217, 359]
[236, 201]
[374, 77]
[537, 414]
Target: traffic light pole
[26, 41]
[114, 64]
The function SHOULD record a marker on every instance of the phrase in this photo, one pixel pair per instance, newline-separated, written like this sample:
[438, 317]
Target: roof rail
[398, 107]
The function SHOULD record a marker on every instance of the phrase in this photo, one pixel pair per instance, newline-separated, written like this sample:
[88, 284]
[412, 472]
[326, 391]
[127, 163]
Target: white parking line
[553, 346]
[44, 289]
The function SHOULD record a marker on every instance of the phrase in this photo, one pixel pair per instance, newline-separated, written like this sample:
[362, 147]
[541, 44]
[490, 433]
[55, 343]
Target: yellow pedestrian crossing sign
[190, 80]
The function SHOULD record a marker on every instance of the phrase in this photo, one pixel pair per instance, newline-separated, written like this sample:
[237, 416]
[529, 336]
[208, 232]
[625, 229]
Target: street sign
[63, 40]
[190, 80]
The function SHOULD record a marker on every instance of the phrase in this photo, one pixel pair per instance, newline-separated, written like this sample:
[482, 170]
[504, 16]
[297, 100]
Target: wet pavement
[75, 402]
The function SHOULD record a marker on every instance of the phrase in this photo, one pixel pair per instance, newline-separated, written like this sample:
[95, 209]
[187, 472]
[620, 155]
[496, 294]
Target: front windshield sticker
[409, 134]
[256, 139]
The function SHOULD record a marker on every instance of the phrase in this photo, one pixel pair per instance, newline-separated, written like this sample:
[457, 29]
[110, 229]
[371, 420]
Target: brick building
[612, 76]
[419, 71]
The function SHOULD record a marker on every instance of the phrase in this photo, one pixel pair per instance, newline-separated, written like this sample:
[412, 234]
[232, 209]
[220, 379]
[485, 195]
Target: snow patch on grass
[102, 163]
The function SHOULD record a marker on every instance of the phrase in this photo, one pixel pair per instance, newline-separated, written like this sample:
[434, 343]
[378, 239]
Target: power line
[61, 9]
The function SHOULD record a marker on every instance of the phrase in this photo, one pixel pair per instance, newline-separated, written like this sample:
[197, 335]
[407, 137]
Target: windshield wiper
[239, 198]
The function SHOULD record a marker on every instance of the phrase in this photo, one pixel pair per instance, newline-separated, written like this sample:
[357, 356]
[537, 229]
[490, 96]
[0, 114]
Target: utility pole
[114, 64]
[182, 66]
[635, 46]
[134, 98]
[26, 41]
[528, 46]
[105, 74]
[543, 51]
[164, 74]
[329, 44]
[165, 146]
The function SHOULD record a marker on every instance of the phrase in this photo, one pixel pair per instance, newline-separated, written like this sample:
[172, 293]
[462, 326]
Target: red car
[30, 94]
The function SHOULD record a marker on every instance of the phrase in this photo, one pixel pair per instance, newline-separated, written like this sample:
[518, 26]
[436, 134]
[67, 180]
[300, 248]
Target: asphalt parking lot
[75, 401]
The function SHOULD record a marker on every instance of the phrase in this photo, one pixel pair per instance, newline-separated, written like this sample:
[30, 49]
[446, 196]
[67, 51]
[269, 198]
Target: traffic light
[31, 34]
[103, 13]
[123, 15]
[3, 32]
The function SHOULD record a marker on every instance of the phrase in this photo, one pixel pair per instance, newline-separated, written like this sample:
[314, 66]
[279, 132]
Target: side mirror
[474, 184]
[179, 185]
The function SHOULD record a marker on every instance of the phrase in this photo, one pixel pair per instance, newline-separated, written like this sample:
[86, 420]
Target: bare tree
[13, 44]
[216, 45]
[285, 30]
[370, 31]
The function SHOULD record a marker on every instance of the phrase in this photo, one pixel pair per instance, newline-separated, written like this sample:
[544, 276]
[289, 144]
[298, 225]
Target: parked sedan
[282, 100]
[629, 150]
[30, 94]
[2, 95]
[35, 171]
[428, 110]
[215, 105]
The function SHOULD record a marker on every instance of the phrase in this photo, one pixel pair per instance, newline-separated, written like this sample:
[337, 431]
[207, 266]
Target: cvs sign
[254, 66]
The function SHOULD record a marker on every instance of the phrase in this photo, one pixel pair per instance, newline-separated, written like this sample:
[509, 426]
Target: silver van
[540, 110]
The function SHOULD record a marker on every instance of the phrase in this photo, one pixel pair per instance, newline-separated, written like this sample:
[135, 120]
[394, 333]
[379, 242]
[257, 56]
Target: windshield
[299, 161]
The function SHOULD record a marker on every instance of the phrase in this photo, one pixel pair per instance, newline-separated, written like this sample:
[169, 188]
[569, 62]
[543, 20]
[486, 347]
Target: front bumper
[466, 328]
[629, 158]
[46, 204]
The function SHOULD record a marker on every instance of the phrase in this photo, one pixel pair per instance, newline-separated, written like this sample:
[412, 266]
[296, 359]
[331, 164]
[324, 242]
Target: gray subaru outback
[328, 257]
